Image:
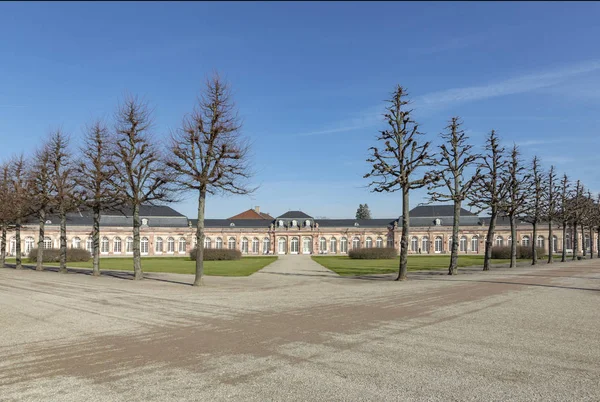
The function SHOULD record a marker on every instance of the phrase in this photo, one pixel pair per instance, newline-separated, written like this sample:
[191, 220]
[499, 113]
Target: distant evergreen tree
[363, 212]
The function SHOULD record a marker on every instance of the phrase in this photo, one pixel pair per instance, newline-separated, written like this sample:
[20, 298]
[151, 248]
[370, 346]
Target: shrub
[523, 252]
[53, 255]
[373, 253]
[217, 254]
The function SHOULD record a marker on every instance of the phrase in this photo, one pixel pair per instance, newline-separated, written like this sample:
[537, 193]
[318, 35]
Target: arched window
[355, 243]
[322, 244]
[306, 245]
[525, 240]
[117, 245]
[463, 244]
[231, 243]
[280, 223]
[475, 244]
[307, 223]
[390, 241]
[294, 223]
[182, 245]
[75, 243]
[587, 242]
[255, 245]
[438, 244]
[129, 245]
[379, 242]
[414, 244]
[89, 245]
[294, 245]
[219, 243]
[29, 244]
[245, 245]
[170, 245]
[281, 245]
[333, 245]
[207, 242]
[103, 245]
[13, 246]
[266, 245]
[369, 242]
[540, 241]
[425, 244]
[509, 241]
[344, 245]
[568, 242]
[48, 243]
[159, 245]
[499, 241]
[144, 245]
[554, 244]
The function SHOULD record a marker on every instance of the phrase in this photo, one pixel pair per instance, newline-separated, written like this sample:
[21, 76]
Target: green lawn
[343, 265]
[181, 265]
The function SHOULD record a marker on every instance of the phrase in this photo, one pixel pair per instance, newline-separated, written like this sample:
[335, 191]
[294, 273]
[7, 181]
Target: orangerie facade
[165, 232]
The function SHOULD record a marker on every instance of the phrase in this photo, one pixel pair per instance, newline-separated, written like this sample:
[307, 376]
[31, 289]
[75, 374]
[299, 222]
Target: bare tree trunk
[513, 243]
[18, 264]
[404, 237]
[583, 245]
[453, 268]
[489, 240]
[575, 242]
[598, 243]
[564, 243]
[137, 260]
[39, 266]
[534, 245]
[63, 242]
[550, 242]
[591, 243]
[96, 240]
[3, 247]
[199, 279]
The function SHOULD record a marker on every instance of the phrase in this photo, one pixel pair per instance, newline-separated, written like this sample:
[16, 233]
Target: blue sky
[310, 80]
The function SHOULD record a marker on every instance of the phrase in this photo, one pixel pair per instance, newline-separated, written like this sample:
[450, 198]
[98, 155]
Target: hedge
[53, 255]
[373, 253]
[217, 254]
[523, 252]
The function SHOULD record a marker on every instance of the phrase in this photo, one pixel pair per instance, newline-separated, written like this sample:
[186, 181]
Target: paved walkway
[299, 266]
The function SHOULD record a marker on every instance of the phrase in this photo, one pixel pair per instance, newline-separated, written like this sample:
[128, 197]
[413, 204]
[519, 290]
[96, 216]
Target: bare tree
[531, 210]
[590, 220]
[7, 208]
[564, 212]
[140, 174]
[489, 190]
[209, 155]
[452, 161]
[398, 160]
[515, 179]
[40, 194]
[63, 198]
[550, 208]
[18, 185]
[576, 207]
[93, 170]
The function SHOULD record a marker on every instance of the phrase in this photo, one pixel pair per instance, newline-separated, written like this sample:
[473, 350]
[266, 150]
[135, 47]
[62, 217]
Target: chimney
[257, 209]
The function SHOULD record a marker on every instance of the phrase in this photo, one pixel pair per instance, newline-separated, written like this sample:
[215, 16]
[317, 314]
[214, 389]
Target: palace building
[166, 232]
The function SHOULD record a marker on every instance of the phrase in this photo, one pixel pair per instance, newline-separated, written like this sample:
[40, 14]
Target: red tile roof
[252, 214]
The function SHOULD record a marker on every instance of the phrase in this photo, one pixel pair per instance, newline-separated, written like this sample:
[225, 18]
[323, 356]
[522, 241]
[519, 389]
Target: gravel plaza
[296, 331]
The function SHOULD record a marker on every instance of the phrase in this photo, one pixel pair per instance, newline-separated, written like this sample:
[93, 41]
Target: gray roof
[238, 223]
[295, 214]
[437, 211]
[366, 223]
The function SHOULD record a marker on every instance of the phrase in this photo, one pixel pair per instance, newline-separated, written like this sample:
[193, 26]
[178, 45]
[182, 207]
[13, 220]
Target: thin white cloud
[538, 142]
[511, 86]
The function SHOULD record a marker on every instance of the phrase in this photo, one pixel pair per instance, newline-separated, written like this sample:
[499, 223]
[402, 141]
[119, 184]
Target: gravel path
[296, 331]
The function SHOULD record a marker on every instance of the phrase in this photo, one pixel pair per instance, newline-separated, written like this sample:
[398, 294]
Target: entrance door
[294, 246]
[281, 245]
[306, 245]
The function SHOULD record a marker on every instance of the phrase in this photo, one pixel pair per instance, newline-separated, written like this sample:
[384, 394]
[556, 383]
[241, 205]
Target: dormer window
[232, 224]
[280, 223]
[356, 224]
[294, 223]
[307, 223]
[437, 222]
[48, 222]
[145, 221]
